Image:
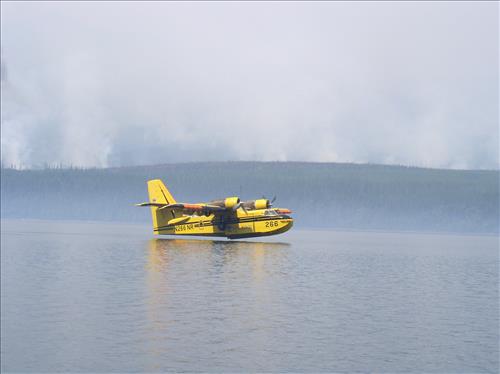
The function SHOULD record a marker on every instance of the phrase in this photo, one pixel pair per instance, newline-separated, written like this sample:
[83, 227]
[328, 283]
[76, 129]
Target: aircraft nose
[289, 223]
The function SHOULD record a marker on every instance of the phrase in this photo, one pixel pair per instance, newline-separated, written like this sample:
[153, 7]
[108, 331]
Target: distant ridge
[323, 195]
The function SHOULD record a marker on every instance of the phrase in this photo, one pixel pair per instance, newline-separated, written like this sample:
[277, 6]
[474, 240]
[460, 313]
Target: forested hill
[321, 195]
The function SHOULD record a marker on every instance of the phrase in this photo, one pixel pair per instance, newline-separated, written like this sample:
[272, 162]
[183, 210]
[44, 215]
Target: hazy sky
[104, 84]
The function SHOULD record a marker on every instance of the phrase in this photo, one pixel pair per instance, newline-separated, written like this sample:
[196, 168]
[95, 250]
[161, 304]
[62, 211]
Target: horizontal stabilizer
[172, 206]
[151, 204]
[162, 206]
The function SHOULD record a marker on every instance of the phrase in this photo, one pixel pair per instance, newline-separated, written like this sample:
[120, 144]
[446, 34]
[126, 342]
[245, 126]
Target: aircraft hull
[232, 228]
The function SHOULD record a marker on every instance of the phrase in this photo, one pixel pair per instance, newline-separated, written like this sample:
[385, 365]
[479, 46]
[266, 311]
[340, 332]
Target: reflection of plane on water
[164, 244]
[229, 217]
[162, 251]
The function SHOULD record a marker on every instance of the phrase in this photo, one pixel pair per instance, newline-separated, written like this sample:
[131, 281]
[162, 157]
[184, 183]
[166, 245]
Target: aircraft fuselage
[234, 225]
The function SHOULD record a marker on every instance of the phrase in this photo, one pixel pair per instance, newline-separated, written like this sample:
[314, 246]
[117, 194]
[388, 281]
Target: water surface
[108, 297]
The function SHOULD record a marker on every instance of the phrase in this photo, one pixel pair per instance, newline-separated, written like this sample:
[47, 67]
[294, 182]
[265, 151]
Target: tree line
[323, 195]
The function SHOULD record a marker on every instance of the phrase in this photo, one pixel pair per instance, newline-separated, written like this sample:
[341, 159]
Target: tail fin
[158, 193]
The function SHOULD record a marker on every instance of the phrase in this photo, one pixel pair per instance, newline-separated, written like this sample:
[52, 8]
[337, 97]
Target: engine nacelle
[231, 202]
[261, 204]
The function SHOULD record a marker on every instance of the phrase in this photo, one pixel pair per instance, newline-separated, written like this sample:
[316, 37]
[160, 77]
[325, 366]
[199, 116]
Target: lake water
[100, 297]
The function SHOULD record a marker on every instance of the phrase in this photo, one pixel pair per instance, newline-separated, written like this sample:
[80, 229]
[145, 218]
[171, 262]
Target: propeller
[240, 205]
[270, 201]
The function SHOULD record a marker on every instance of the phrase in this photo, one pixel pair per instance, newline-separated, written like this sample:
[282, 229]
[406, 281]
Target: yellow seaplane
[228, 217]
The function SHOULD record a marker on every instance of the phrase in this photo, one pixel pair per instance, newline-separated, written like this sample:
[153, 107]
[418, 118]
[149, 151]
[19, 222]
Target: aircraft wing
[188, 208]
[201, 208]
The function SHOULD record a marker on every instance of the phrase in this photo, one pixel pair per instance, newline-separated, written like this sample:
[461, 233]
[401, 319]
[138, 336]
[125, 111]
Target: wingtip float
[228, 217]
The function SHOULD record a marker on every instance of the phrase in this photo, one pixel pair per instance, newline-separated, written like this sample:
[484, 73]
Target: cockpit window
[270, 212]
